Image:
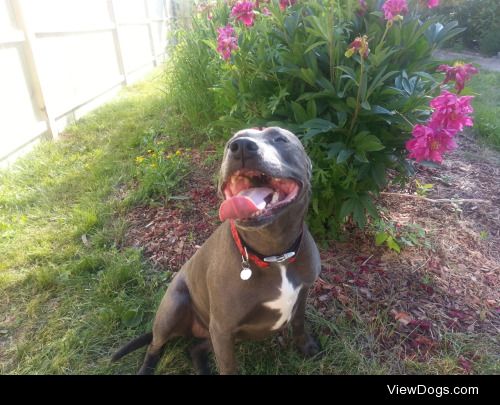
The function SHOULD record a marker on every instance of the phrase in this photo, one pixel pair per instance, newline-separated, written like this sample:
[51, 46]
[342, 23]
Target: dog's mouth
[253, 195]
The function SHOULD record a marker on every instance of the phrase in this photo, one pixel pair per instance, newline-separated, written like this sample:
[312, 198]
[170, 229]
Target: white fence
[61, 58]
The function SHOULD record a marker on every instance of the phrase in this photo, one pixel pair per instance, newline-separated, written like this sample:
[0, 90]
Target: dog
[251, 277]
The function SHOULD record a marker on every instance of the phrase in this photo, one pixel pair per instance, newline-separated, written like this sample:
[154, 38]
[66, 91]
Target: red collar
[259, 260]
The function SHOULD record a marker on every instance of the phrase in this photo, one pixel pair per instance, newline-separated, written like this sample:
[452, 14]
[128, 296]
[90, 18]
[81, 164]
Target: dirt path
[492, 64]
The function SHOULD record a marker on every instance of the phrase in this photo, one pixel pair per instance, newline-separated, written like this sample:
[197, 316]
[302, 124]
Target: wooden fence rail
[60, 59]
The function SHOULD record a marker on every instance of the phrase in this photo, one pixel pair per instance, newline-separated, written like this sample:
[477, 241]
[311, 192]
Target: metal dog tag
[246, 271]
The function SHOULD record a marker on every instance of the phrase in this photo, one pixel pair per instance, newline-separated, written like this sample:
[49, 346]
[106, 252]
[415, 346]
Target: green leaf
[346, 208]
[319, 123]
[317, 126]
[366, 105]
[324, 94]
[378, 174]
[298, 112]
[426, 75]
[341, 118]
[210, 44]
[319, 27]
[376, 109]
[308, 76]
[380, 238]
[367, 143]
[312, 111]
[379, 81]
[392, 244]
[368, 205]
[291, 23]
[359, 214]
[335, 148]
[351, 102]
[349, 71]
[314, 46]
[325, 84]
[361, 157]
[344, 155]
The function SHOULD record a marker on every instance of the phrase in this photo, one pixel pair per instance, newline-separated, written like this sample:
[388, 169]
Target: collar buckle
[279, 259]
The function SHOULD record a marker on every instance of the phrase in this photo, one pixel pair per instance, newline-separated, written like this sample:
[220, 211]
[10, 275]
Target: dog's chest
[285, 302]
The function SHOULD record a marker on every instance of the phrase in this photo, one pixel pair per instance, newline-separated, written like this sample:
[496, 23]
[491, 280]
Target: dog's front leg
[302, 339]
[223, 346]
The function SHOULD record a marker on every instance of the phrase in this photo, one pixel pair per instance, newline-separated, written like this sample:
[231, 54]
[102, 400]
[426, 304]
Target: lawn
[92, 228]
[487, 106]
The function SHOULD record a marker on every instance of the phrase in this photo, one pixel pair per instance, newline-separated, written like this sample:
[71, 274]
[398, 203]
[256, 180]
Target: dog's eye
[281, 139]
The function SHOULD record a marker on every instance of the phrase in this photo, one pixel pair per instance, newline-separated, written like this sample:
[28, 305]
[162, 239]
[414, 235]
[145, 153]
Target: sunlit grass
[487, 106]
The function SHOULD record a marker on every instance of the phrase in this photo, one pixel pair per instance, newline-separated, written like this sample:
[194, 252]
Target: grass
[66, 303]
[71, 293]
[486, 106]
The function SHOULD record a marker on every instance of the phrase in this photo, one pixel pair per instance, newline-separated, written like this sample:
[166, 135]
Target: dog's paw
[308, 346]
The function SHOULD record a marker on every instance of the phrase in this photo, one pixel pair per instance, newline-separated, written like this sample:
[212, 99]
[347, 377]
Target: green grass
[71, 293]
[487, 106]
[64, 303]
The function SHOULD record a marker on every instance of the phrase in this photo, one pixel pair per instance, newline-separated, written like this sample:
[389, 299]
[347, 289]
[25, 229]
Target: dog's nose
[243, 147]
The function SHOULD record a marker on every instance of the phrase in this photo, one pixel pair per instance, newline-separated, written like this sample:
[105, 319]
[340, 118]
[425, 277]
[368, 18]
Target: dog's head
[265, 174]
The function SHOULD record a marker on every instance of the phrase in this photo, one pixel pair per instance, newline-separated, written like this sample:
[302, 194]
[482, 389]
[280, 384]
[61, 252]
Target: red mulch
[170, 234]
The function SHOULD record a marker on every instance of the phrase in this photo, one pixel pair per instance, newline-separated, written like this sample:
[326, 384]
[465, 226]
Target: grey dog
[252, 276]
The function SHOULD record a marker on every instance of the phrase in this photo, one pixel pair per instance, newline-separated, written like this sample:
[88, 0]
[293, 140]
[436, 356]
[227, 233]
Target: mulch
[450, 285]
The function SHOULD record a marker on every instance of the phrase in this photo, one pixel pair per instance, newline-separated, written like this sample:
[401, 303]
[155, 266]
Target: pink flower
[393, 9]
[227, 41]
[432, 3]
[460, 72]
[266, 12]
[286, 3]
[451, 112]
[243, 11]
[429, 143]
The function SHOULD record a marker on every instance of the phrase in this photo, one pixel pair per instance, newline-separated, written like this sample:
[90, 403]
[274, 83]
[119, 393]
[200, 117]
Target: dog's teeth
[275, 198]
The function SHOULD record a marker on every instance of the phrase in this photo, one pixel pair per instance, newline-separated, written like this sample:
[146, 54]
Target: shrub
[349, 77]
[480, 18]
[489, 43]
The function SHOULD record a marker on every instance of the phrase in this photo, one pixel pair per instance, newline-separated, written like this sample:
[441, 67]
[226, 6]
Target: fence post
[151, 33]
[32, 54]
[117, 41]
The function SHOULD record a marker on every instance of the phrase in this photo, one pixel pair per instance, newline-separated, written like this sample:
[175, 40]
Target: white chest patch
[286, 300]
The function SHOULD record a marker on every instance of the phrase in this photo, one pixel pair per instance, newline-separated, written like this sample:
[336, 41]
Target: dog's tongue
[244, 204]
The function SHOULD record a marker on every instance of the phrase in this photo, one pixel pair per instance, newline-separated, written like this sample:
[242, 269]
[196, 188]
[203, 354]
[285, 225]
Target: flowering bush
[353, 78]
